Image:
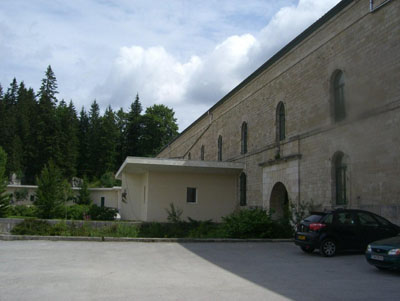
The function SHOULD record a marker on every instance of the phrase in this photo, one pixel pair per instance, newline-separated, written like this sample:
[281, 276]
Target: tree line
[36, 128]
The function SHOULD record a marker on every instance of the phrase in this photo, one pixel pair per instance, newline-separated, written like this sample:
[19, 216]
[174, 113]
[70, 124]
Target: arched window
[220, 148]
[280, 122]
[243, 189]
[338, 96]
[202, 153]
[339, 179]
[244, 138]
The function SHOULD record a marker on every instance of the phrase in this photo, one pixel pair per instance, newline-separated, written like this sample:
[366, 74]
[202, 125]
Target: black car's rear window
[313, 218]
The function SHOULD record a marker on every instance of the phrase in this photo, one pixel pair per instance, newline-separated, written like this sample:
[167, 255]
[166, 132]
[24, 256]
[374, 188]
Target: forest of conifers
[36, 128]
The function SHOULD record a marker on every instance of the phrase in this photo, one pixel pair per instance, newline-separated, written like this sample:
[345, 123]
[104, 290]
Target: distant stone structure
[319, 121]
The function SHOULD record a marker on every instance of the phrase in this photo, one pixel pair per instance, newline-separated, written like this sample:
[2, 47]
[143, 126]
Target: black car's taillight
[316, 226]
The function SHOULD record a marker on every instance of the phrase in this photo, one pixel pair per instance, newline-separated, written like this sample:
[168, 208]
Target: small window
[244, 138]
[338, 96]
[344, 218]
[243, 189]
[280, 122]
[189, 156]
[191, 195]
[32, 198]
[328, 219]
[220, 148]
[367, 219]
[102, 201]
[340, 178]
[202, 153]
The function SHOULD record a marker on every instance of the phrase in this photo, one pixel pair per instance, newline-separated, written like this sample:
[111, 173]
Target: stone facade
[365, 47]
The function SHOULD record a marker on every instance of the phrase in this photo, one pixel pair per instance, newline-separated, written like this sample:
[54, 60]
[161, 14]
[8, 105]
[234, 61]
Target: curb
[129, 239]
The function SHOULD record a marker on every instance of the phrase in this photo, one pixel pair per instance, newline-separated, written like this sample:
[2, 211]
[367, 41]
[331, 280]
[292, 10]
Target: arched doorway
[279, 201]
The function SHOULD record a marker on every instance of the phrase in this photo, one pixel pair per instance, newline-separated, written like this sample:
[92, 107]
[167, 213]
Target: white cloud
[161, 77]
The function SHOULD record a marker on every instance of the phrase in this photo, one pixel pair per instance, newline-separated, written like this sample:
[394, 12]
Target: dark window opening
[338, 95]
[191, 195]
[244, 138]
[202, 153]
[220, 148]
[280, 114]
[340, 169]
[243, 189]
[102, 201]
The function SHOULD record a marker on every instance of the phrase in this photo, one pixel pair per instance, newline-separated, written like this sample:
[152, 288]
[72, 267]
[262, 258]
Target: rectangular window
[102, 201]
[191, 195]
[32, 198]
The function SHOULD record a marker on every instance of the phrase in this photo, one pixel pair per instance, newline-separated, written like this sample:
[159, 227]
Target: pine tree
[4, 197]
[84, 194]
[67, 139]
[84, 147]
[51, 193]
[47, 123]
[134, 129]
[95, 170]
[121, 120]
[108, 141]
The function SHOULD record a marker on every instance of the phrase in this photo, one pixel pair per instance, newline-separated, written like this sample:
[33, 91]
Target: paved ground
[47, 270]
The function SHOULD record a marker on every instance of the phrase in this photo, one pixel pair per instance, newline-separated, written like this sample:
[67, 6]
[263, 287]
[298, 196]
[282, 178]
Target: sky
[186, 54]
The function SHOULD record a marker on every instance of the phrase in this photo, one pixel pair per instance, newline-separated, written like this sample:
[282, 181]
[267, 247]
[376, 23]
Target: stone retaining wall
[6, 224]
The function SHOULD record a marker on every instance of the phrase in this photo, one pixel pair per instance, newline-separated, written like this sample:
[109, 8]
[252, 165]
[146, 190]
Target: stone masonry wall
[366, 47]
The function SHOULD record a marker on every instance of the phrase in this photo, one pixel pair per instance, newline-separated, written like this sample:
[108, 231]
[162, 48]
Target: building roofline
[151, 164]
[292, 44]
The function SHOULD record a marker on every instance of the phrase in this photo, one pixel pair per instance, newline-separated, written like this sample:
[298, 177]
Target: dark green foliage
[20, 194]
[32, 227]
[84, 194]
[159, 128]
[4, 197]
[248, 223]
[22, 211]
[77, 212]
[37, 128]
[102, 213]
[52, 192]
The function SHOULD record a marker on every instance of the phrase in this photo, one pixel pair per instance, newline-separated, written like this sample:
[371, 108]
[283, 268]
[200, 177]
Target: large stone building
[319, 121]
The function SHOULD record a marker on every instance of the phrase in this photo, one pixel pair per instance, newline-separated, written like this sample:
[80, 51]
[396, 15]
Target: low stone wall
[6, 224]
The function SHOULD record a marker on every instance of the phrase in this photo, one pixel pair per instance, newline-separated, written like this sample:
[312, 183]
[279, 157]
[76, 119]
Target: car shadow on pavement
[286, 270]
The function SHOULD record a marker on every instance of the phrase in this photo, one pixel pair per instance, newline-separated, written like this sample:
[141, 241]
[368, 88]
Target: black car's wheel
[328, 247]
[307, 249]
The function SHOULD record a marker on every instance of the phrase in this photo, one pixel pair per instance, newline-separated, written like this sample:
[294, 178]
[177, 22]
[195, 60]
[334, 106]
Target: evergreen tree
[159, 127]
[8, 129]
[108, 141]
[67, 139]
[84, 194]
[121, 120]
[84, 147]
[51, 193]
[134, 129]
[4, 197]
[47, 122]
[95, 170]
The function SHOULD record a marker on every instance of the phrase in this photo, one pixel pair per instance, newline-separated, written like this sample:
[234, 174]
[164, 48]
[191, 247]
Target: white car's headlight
[394, 252]
[369, 249]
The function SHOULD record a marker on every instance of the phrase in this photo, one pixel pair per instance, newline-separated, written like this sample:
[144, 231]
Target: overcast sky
[186, 54]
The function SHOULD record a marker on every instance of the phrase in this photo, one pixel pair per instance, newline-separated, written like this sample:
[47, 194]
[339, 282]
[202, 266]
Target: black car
[342, 229]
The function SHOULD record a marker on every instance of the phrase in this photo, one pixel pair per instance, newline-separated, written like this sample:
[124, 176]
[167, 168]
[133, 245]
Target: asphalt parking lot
[60, 270]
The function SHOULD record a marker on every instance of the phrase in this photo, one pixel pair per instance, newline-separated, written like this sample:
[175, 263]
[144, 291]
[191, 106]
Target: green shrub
[32, 227]
[77, 212]
[23, 211]
[247, 223]
[102, 213]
